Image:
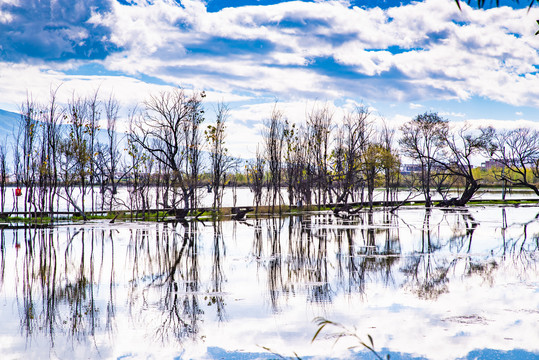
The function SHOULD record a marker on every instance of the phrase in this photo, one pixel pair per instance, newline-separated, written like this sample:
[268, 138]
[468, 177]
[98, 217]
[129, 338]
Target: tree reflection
[167, 269]
[66, 278]
[275, 281]
[426, 276]
[367, 248]
[2, 257]
[465, 226]
[55, 290]
[217, 274]
[318, 279]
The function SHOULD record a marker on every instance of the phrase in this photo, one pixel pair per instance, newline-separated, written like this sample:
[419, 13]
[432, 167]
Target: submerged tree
[423, 141]
[168, 129]
[76, 156]
[109, 159]
[353, 137]
[3, 176]
[273, 149]
[517, 153]
[460, 148]
[221, 162]
[318, 132]
[255, 175]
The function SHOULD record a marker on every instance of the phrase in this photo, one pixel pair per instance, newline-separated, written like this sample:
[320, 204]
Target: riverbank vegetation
[75, 155]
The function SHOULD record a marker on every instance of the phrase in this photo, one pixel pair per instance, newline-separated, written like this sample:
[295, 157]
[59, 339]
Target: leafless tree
[168, 129]
[3, 176]
[140, 169]
[353, 136]
[76, 157]
[318, 134]
[423, 141]
[221, 162]
[27, 141]
[193, 148]
[461, 147]
[109, 157]
[273, 135]
[293, 162]
[51, 119]
[255, 174]
[391, 164]
[92, 128]
[517, 152]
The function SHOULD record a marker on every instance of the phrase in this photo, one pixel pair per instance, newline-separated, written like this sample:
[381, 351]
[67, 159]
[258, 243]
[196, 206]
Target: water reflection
[165, 275]
[178, 283]
[55, 282]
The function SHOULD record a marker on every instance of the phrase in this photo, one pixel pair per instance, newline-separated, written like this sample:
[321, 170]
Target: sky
[399, 58]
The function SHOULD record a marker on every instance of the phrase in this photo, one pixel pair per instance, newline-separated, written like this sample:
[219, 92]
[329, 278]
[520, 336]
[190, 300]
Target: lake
[440, 284]
[240, 196]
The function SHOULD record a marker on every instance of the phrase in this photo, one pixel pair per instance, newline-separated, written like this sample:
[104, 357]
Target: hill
[8, 122]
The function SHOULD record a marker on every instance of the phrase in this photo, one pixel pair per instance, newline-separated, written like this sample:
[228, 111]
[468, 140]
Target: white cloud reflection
[489, 300]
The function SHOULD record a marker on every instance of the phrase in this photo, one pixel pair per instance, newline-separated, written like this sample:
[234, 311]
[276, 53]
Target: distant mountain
[8, 123]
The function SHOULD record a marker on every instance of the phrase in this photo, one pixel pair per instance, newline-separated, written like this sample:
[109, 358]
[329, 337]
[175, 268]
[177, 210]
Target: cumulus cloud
[56, 30]
[293, 51]
[331, 49]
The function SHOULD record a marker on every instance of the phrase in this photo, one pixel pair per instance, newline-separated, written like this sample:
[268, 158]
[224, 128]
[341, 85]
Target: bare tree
[221, 162]
[293, 163]
[27, 139]
[76, 157]
[168, 131]
[461, 147]
[193, 148]
[140, 169]
[3, 176]
[423, 141]
[273, 135]
[92, 128]
[109, 160]
[353, 136]
[52, 119]
[318, 132]
[391, 164]
[517, 152]
[255, 175]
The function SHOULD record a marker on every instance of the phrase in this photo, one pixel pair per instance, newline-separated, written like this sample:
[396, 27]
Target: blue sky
[399, 58]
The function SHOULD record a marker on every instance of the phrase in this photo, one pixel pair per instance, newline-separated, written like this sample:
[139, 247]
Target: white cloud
[298, 52]
[452, 114]
[433, 55]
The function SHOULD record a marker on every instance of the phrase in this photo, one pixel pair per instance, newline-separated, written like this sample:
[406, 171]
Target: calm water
[438, 285]
[241, 196]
